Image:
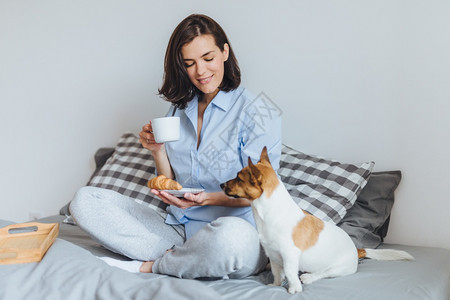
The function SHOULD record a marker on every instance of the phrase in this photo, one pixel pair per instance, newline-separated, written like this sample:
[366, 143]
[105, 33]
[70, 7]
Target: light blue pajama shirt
[236, 125]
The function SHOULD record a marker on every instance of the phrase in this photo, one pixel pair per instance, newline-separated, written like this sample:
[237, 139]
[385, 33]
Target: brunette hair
[177, 87]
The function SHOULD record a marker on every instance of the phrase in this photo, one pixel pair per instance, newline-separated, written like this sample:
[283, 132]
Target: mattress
[70, 270]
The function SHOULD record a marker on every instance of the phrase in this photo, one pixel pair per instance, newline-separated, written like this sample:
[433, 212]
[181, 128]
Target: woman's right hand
[147, 139]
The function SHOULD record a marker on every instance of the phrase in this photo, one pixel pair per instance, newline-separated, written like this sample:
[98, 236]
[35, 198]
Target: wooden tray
[26, 242]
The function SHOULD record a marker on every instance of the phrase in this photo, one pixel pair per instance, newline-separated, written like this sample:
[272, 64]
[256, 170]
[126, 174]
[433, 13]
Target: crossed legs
[227, 247]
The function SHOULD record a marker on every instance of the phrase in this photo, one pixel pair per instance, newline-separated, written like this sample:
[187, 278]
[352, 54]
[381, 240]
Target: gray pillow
[367, 220]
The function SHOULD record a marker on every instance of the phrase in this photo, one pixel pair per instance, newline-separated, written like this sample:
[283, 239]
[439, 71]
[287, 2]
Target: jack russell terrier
[293, 239]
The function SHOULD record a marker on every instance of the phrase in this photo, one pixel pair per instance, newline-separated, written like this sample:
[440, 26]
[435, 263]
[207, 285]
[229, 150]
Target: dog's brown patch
[306, 233]
[265, 173]
[269, 179]
[362, 253]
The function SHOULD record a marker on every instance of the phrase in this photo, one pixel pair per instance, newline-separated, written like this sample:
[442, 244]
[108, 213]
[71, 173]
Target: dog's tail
[384, 254]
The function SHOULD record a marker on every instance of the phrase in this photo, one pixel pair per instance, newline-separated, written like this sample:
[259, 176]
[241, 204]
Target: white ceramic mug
[166, 129]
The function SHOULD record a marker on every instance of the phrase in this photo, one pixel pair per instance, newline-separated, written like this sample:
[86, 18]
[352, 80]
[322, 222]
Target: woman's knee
[235, 234]
[238, 242]
[84, 198]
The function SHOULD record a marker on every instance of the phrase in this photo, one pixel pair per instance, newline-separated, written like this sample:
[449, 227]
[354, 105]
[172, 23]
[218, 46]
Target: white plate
[180, 193]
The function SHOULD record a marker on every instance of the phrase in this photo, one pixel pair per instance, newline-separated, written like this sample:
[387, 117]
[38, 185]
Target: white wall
[356, 80]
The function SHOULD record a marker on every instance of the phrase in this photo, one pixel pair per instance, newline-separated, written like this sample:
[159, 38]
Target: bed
[70, 270]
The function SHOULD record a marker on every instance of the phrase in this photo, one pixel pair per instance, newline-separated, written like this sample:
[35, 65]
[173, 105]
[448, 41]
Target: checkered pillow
[127, 172]
[324, 188]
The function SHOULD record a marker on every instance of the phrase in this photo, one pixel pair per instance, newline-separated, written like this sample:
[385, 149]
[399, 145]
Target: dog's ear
[264, 156]
[254, 172]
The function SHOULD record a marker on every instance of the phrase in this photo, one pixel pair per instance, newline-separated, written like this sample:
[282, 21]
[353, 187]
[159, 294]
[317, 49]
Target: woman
[212, 234]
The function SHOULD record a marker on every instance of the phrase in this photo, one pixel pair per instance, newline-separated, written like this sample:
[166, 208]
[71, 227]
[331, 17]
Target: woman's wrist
[159, 153]
[162, 164]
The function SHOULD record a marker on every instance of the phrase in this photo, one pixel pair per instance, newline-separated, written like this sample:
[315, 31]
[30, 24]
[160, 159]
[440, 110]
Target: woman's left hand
[189, 199]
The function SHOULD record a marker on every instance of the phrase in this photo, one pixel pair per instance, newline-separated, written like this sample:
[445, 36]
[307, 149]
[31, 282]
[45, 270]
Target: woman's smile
[205, 80]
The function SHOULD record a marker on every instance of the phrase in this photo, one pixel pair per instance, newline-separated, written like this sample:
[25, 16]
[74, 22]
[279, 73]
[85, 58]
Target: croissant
[161, 182]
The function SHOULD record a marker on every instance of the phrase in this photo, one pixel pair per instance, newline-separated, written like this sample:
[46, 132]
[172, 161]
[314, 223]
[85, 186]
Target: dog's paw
[295, 289]
[307, 278]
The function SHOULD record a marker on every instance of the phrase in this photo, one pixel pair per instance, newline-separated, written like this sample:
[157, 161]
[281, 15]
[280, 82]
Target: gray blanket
[70, 270]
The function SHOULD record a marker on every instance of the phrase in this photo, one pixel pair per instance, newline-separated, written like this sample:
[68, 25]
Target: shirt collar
[222, 100]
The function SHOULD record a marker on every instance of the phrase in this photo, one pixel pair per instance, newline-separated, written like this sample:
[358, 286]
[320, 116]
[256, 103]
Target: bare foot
[146, 267]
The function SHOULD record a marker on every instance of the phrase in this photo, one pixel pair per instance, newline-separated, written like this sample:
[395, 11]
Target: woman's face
[204, 63]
